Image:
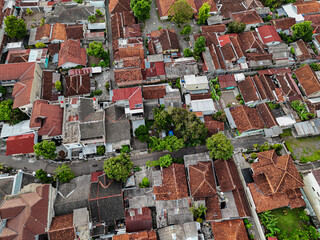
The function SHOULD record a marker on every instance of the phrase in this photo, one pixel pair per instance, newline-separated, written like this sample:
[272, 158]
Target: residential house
[106, 205]
[28, 55]
[49, 91]
[12, 73]
[309, 81]
[311, 188]
[28, 214]
[163, 41]
[77, 85]
[153, 68]
[58, 33]
[27, 88]
[213, 126]
[117, 6]
[71, 54]
[138, 219]
[130, 74]
[187, 230]
[194, 84]
[226, 7]
[218, 28]
[258, 6]
[268, 35]
[128, 47]
[83, 127]
[248, 90]
[229, 230]
[276, 183]
[21, 144]
[302, 52]
[46, 119]
[281, 54]
[266, 115]
[307, 7]
[205, 106]
[250, 17]
[283, 24]
[179, 67]
[291, 11]
[245, 119]
[227, 82]
[146, 235]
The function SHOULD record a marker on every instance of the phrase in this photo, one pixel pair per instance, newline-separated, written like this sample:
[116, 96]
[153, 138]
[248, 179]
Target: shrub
[254, 155]
[145, 183]
[101, 150]
[249, 225]
[159, 28]
[142, 133]
[98, 12]
[29, 12]
[97, 92]
[219, 116]
[92, 18]
[3, 90]
[42, 175]
[40, 45]
[125, 149]
[186, 30]
[58, 85]
[107, 86]
[164, 161]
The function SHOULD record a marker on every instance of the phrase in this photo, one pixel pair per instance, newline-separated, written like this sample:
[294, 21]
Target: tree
[3, 90]
[200, 46]
[92, 18]
[12, 116]
[45, 149]
[199, 212]
[40, 45]
[181, 11]
[15, 28]
[220, 146]
[204, 13]
[142, 133]
[300, 108]
[29, 11]
[58, 85]
[187, 52]
[303, 31]
[141, 9]
[170, 143]
[119, 167]
[101, 150]
[236, 27]
[186, 30]
[145, 183]
[96, 49]
[219, 116]
[315, 66]
[164, 161]
[42, 175]
[98, 12]
[64, 174]
[161, 118]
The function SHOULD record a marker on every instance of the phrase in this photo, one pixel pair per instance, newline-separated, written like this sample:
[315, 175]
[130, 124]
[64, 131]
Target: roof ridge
[245, 114]
[175, 179]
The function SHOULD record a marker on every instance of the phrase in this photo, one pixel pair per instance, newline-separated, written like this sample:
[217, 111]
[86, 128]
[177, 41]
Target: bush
[219, 116]
[125, 149]
[42, 175]
[246, 221]
[40, 45]
[101, 150]
[159, 28]
[145, 183]
[3, 90]
[186, 30]
[97, 92]
[107, 86]
[273, 105]
[78, 1]
[251, 236]
[29, 12]
[92, 18]
[98, 12]
[58, 85]
[249, 225]
[187, 52]
[164, 161]
[254, 155]
[142, 133]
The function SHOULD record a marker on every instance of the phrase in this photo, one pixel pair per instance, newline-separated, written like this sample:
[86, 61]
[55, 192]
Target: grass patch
[290, 221]
[286, 133]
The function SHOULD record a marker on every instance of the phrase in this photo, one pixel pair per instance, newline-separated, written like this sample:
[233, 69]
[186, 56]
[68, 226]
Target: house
[71, 54]
[117, 6]
[179, 67]
[309, 81]
[28, 214]
[46, 119]
[283, 24]
[268, 35]
[281, 54]
[117, 128]
[205, 106]
[77, 85]
[138, 219]
[187, 230]
[128, 47]
[28, 55]
[227, 82]
[302, 52]
[250, 17]
[226, 7]
[106, 205]
[311, 188]
[266, 115]
[72, 195]
[49, 92]
[229, 230]
[276, 183]
[218, 28]
[128, 76]
[307, 7]
[21, 144]
[248, 91]
[245, 119]
[146, 235]
[163, 41]
[291, 11]
[213, 126]
[194, 84]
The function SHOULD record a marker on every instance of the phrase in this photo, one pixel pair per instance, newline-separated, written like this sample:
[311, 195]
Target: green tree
[125, 149]
[181, 11]
[42, 175]
[96, 49]
[40, 45]
[3, 90]
[161, 118]
[29, 11]
[101, 150]
[164, 161]
[219, 116]
[145, 183]
[141, 9]
[204, 13]
[300, 108]
[10, 115]
[15, 28]
[186, 30]
[303, 31]
[45, 149]
[142, 133]
[64, 174]
[92, 18]
[236, 27]
[170, 143]
[58, 85]
[119, 167]
[98, 12]
[200, 46]
[199, 212]
[220, 146]
[315, 66]
[187, 52]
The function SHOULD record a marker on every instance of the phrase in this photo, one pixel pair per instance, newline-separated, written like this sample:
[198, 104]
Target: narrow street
[109, 36]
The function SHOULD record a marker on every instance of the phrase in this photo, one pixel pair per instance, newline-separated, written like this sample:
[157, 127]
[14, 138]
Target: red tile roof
[138, 219]
[227, 81]
[308, 7]
[154, 92]
[77, 85]
[72, 52]
[266, 115]
[133, 95]
[46, 118]
[59, 32]
[130, 62]
[247, 17]
[146, 235]
[62, 228]
[213, 126]
[128, 76]
[308, 80]
[246, 118]
[43, 32]
[117, 6]
[21, 144]
[214, 28]
[268, 34]
[248, 90]
[32, 219]
[227, 174]
[314, 18]
[14, 71]
[229, 230]
[174, 184]
[160, 70]
[283, 23]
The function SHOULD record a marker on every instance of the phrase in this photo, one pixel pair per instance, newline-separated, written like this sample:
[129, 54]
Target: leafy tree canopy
[164, 161]
[170, 143]
[181, 11]
[142, 133]
[220, 146]
[10, 115]
[303, 31]
[236, 27]
[45, 149]
[200, 46]
[40, 45]
[141, 9]
[186, 29]
[118, 167]
[42, 175]
[15, 27]
[64, 174]
[58, 85]
[187, 52]
[204, 13]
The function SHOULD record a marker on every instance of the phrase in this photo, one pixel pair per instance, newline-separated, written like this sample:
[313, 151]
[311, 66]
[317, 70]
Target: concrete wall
[312, 190]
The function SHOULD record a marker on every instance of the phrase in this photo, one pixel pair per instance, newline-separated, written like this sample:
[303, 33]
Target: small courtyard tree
[64, 173]
[181, 11]
[45, 149]
[220, 146]
[204, 13]
[15, 27]
[200, 46]
[141, 9]
[119, 167]
[236, 27]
